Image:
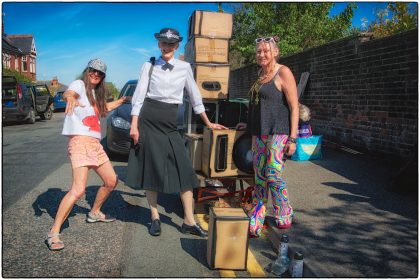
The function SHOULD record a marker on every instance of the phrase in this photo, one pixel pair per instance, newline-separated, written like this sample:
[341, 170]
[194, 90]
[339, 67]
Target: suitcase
[227, 243]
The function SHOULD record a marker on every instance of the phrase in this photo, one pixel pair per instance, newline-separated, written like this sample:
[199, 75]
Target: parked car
[59, 103]
[23, 102]
[118, 125]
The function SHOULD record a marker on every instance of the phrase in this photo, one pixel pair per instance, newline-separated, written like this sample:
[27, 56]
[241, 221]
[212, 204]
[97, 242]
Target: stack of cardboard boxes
[211, 151]
[207, 51]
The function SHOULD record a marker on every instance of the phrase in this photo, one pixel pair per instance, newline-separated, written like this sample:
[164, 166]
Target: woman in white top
[160, 162]
[86, 103]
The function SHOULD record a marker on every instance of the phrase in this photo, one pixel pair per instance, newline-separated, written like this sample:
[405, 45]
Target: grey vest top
[271, 115]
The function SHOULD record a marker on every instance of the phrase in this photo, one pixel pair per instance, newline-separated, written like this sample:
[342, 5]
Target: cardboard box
[195, 143]
[217, 151]
[212, 80]
[210, 24]
[206, 50]
[227, 243]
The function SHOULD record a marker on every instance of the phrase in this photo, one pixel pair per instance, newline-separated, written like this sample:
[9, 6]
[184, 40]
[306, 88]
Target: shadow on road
[116, 205]
[195, 247]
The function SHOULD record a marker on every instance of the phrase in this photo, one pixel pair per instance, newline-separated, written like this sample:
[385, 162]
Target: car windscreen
[41, 90]
[129, 90]
[8, 93]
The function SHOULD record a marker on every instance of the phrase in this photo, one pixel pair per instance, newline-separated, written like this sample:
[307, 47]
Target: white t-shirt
[84, 120]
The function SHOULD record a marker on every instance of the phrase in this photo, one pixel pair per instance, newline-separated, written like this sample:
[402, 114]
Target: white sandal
[51, 243]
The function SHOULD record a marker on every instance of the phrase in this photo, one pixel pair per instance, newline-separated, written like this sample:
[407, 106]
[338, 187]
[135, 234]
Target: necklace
[262, 78]
[255, 89]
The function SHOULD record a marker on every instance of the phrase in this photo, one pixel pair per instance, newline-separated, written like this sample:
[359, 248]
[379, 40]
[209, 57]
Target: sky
[69, 34]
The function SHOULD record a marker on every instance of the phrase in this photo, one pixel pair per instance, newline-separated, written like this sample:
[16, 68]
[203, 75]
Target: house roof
[8, 46]
[23, 42]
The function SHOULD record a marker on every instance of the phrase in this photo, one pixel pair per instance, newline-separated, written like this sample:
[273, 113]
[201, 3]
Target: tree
[113, 92]
[19, 76]
[404, 17]
[299, 26]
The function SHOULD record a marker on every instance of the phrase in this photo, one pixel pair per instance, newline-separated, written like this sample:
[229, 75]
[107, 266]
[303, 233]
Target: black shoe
[155, 228]
[195, 229]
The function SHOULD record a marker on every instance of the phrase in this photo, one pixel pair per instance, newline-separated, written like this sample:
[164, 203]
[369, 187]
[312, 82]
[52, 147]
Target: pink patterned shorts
[86, 151]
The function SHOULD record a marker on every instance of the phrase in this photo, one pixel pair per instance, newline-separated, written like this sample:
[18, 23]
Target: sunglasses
[265, 40]
[98, 73]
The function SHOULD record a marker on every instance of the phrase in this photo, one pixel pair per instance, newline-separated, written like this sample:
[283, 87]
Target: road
[36, 175]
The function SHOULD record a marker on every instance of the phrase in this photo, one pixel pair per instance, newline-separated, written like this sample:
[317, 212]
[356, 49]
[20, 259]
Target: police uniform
[160, 162]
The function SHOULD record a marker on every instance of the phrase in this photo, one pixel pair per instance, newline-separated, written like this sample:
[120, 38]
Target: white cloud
[142, 51]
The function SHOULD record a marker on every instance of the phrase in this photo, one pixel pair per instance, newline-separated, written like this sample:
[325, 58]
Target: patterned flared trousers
[268, 162]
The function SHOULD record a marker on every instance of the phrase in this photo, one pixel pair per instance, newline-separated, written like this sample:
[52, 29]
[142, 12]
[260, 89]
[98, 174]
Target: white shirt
[167, 85]
[84, 120]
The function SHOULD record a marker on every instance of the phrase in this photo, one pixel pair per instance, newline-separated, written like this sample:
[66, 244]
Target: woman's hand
[216, 126]
[115, 104]
[71, 102]
[134, 134]
[290, 148]
[240, 126]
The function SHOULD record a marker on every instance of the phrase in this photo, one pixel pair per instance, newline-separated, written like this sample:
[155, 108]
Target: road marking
[253, 267]
[227, 274]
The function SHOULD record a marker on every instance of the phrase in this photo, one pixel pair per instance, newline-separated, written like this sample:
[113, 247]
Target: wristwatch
[291, 140]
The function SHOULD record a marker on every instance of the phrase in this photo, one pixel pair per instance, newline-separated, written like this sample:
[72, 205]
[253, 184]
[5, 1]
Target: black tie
[167, 66]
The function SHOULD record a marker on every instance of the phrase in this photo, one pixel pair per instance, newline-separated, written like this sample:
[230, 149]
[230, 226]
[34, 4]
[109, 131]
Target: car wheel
[31, 116]
[47, 115]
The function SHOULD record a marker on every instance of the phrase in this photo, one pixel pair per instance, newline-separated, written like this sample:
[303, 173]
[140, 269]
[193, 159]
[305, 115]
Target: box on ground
[194, 144]
[308, 148]
[212, 80]
[227, 244]
[206, 50]
[210, 24]
[217, 151]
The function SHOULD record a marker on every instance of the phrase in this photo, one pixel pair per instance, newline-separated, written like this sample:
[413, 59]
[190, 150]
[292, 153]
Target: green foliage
[299, 26]
[19, 76]
[404, 18]
[113, 92]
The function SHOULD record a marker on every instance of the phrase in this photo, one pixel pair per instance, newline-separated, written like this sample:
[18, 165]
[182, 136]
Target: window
[24, 64]
[32, 65]
[16, 59]
[6, 60]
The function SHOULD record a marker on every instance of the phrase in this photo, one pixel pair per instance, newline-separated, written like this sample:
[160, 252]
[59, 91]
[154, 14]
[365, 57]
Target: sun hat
[97, 64]
[168, 35]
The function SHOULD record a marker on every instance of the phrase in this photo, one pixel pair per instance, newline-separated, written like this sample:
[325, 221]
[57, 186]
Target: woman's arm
[71, 98]
[114, 104]
[210, 124]
[197, 101]
[137, 101]
[288, 86]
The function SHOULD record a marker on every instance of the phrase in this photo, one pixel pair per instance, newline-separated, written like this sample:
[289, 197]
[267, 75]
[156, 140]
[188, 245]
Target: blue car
[59, 103]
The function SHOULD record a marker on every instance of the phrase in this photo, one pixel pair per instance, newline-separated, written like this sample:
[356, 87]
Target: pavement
[349, 222]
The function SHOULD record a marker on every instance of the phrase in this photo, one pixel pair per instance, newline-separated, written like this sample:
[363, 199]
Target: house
[54, 85]
[19, 53]
[11, 55]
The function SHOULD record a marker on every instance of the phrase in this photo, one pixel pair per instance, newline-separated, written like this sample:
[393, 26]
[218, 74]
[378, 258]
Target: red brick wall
[361, 94]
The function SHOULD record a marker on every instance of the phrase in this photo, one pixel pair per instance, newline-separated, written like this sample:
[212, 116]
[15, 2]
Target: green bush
[19, 76]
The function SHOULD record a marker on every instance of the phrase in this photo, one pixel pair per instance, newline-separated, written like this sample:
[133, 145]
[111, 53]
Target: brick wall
[362, 93]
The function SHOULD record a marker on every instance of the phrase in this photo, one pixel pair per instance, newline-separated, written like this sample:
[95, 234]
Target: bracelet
[291, 140]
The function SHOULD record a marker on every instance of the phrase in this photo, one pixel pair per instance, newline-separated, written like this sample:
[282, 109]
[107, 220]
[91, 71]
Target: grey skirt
[160, 161]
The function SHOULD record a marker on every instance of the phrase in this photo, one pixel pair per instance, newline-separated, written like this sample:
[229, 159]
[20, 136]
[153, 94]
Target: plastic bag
[308, 148]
